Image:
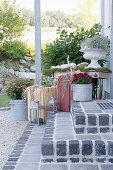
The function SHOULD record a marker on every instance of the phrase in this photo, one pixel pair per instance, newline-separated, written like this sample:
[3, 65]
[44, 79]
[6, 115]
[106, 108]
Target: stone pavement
[27, 152]
[80, 140]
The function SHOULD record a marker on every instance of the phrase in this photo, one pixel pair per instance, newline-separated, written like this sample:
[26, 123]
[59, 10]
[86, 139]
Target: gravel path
[10, 132]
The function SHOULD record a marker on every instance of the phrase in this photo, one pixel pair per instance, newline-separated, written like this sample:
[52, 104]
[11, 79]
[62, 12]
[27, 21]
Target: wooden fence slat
[46, 93]
[41, 94]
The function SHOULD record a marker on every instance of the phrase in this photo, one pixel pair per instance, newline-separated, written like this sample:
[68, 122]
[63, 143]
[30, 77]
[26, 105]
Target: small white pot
[82, 92]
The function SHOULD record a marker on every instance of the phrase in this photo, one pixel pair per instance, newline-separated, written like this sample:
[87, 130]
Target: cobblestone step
[74, 151]
[88, 118]
[62, 144]
[82, 139]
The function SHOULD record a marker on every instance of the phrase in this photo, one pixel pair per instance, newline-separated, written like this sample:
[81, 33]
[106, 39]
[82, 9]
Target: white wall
[106, 31]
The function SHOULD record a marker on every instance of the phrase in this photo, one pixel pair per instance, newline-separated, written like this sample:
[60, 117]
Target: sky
[64, 5]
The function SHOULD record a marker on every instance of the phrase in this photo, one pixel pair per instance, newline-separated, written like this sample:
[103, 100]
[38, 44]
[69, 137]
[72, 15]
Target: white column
[37, 41]
[111, 52]
[102, 15]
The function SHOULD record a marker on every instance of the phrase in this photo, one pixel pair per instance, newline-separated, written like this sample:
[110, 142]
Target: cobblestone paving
[80, 140]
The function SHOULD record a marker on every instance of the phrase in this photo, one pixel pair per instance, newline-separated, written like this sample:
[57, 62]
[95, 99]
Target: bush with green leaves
[47, 81]
[57, 52]
[1, 33]
[30, 50]
[12, 20]
[15, 49]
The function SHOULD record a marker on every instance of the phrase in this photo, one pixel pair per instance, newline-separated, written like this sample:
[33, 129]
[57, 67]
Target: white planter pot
[82, 92]
[94, 55]
[19, 110]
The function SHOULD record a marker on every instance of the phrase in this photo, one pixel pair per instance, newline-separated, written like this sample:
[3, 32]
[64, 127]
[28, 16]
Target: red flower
[82, 78]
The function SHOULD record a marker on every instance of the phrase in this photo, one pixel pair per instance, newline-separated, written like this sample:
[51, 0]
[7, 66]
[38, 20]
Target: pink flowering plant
[16, 88]
[82, 78]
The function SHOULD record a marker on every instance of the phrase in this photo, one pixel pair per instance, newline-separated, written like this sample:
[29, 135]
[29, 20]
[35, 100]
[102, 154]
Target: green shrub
[12, 20]
[2, 52]
[30, 50]
[48, 82]
[57, 52]
[15, 49]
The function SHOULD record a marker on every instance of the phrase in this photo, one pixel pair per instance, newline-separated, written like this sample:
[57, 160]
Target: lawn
[4, 101]
[48, 34]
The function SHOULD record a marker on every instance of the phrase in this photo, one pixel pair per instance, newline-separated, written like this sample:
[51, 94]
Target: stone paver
[107, 167]
[54, 167]
[28, 166]
[30, 158]
[84, 167]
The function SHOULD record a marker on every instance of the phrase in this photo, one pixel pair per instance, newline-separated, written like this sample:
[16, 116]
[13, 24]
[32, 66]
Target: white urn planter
[82, 92]
[94, 55]
[19, 110]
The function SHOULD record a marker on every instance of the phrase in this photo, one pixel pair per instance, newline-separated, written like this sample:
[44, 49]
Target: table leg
[94, 88]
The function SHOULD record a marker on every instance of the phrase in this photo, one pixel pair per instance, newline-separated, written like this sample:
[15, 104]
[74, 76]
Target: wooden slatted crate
[41, 94]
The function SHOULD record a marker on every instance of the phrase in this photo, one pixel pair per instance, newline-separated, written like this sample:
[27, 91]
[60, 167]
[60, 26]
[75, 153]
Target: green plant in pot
[15, 91]
[96, 48]
[82, 87]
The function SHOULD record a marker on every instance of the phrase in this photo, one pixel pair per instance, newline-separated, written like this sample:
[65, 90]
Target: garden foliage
[15, 49]
[11, 20]
[47, 81]
[56, 53]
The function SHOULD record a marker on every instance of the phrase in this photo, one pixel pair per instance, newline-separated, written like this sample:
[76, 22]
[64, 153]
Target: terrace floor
[78, 140]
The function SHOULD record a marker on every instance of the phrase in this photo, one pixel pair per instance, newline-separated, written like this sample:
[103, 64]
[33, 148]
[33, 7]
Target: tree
[87, 16]
[56, 19]
[28, 16]
[11, 19]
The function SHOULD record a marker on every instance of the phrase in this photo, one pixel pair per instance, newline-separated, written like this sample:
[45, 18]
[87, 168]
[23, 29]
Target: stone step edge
[92, 123]
[83, 160]
[96, 148]
[89, 119]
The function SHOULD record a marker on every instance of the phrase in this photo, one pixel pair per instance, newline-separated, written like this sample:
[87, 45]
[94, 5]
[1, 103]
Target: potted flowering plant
[15, 91]
[82, 87]
[96, 48]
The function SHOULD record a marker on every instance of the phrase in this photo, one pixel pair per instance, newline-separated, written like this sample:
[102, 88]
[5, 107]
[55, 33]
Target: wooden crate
[41, 94]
